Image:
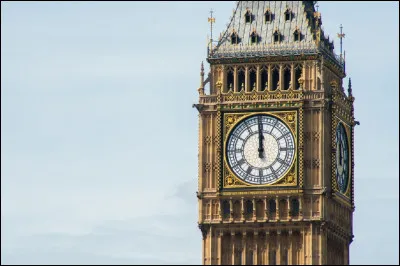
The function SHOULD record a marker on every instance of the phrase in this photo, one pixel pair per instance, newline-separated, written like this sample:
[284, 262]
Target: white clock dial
[260, 149]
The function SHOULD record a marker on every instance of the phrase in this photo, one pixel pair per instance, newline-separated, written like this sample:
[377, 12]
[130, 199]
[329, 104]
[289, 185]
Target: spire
[211, 20]
[201, 88]
[349, 90]
[341, 36]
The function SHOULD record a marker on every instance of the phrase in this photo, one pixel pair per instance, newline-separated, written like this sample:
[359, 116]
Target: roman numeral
[283, 136]
[248, 127]
[274, 173]
[276, 122]
[240, 162]
[249, 170]
[286, 148]
[281, 161]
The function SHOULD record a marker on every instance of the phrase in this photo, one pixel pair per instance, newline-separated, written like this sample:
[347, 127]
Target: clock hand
[260, 139]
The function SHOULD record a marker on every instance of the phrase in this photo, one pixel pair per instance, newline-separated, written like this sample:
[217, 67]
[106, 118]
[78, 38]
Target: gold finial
[211, 19]
[341, 36]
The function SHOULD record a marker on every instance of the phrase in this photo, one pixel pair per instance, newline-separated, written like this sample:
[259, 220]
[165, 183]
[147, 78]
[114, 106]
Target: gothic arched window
[288, 15]
[275, 78]
[294, 208]
[253, 79]
[249, 257]
[264, 79]
[272, 207]
[268, 16]
[277, 36]
[229, 80]
[226, 209]
[297, 75]
[297, 35]
[234, 38]
[272, 257]
[241, 79]
[249, 207]
[284, 257]
[254, 37]
[248, 16]
[287, 77]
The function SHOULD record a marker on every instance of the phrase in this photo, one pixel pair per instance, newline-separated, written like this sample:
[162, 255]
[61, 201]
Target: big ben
[276, 134]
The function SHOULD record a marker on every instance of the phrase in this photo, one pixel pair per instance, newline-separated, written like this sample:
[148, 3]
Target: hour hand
[261, 153]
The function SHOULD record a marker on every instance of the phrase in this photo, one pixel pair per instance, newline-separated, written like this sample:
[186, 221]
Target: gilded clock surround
[230, 120]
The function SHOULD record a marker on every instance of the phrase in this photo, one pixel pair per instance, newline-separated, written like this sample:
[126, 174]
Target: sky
[99, 137]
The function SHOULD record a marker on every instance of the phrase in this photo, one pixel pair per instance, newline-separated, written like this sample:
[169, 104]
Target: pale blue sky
[99, 139]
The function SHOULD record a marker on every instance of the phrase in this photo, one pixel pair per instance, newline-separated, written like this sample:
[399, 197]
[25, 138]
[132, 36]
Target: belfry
[276, 141]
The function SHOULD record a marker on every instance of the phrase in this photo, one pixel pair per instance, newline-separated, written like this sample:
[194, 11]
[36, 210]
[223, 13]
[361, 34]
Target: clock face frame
[342, 159]
[243, 143]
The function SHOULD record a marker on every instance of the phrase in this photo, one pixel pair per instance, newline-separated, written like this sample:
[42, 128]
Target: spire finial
[349, 90]
[341, 36]
[211, 19]
[201, 88]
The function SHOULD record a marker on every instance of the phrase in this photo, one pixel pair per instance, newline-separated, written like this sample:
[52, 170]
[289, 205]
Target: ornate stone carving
[315, 135]
[215, 166]
[315, 163]
[207, 167]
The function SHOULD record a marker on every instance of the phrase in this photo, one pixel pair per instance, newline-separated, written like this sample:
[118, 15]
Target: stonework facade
[305, 214]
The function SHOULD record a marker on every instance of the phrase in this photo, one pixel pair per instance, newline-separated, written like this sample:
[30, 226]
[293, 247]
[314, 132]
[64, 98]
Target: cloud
[135, 241]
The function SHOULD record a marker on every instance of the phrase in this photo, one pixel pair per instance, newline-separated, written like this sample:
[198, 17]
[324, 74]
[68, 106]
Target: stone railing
[261, 96]
[208, 99]
[276, 96]
[313, 95]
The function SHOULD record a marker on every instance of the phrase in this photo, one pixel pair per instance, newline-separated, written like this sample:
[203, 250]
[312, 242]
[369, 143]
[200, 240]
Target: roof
[304, 20]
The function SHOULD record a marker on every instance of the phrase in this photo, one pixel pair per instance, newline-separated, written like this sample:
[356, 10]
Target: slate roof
[303, 19]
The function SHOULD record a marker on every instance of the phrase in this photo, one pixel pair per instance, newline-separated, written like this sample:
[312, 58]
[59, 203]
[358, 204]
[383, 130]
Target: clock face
[342, 158]
[260, 149]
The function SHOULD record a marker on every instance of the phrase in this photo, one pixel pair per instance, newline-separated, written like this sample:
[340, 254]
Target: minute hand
[260, 139]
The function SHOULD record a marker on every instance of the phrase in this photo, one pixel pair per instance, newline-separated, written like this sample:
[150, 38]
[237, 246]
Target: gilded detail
[230, 120]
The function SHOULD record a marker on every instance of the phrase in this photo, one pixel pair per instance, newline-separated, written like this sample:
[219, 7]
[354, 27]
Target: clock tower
[276, 134]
